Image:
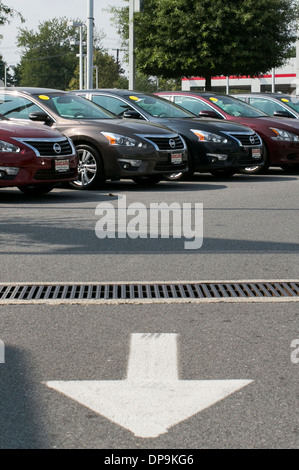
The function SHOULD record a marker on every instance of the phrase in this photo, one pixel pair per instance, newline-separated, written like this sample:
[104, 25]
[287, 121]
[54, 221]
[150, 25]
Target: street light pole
[90, 44]
[131, 46]
[79, 25]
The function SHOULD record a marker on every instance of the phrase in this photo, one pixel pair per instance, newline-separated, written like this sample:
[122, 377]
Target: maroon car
[35, 158]
[280, 136]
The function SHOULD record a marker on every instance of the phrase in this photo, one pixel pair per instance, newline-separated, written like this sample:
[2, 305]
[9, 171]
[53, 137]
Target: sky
[38, 11]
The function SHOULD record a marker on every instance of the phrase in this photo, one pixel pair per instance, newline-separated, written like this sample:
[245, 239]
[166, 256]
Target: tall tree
[110, 74]
[49, 58]
[178, 38]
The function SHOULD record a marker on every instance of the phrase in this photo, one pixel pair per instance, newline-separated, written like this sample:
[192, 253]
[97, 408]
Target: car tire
[257, 170]
[174, 176]
[225, 173]
[147, 180]
[91, 174]
[36, 189]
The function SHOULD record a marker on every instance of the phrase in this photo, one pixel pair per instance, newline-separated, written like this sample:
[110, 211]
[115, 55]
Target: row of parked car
[86, 137]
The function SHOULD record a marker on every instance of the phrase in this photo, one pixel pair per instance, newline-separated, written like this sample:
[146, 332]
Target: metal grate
[150, 292]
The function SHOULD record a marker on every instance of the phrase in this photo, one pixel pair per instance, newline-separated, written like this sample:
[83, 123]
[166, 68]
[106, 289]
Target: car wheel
[36, 189]
[91, 173]
[225, 173]
[257, 170]
[174, 176]
[147, 180]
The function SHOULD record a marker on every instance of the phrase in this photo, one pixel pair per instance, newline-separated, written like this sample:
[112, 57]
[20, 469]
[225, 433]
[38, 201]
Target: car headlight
[9, 148]
[287, 136]
[209, 137]
[118, 139]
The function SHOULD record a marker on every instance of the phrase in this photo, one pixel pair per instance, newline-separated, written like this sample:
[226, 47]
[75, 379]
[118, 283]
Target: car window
[158, 107]
[16, 107]
[112, 104]
[265, 105]
[70, 106]
[235, 107]
[292, 102]
[193, 105]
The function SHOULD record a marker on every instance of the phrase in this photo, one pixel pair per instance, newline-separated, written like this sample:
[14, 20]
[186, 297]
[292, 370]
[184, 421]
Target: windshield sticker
[134, 98]
[213, 99]
[285, 100]
[43, 97]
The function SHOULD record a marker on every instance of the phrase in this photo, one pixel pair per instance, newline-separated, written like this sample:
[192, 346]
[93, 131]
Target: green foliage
[50, 59]
[177, 38]
[109, 73]
[7, 12]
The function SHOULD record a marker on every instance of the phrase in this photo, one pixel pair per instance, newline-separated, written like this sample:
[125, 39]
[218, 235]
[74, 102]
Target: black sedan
[220, 148]
[107, 147]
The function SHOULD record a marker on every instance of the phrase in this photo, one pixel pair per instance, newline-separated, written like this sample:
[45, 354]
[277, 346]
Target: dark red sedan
[35, 158]
[280, 136]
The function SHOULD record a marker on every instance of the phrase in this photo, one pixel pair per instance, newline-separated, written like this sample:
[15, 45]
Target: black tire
[36, 189]
[174, 176]
[257, 170]
[91, 170]
[225, 173]
[147, 180]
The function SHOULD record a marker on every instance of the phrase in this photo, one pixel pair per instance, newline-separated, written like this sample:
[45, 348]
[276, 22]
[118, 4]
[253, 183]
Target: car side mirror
[131, 114]
[282, 113]
[39, 116]
[209, 114]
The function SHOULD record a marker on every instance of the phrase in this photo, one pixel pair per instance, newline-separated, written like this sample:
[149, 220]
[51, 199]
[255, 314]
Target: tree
[49, 59]
[6, 13]
[181, 38]
[110, 74]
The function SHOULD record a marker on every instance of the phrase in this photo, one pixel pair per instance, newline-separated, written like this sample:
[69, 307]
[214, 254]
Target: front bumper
[36, 170]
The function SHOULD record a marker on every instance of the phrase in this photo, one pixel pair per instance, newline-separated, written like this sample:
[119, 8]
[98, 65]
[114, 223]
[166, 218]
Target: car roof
[32, 90]
[271, 95]
[118, 91]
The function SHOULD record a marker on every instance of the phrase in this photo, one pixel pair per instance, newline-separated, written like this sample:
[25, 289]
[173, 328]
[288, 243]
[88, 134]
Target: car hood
[30, 130]
[287, 124]
[134, 126]
[209, 125]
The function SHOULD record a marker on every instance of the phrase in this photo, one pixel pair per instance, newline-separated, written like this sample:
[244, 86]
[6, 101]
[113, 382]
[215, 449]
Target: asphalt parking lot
[245, 350]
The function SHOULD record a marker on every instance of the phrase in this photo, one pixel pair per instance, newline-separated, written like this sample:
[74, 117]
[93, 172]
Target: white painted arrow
[152, 398]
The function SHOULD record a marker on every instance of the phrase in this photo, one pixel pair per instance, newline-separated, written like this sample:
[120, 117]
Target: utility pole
[90, 21]
[134, 6]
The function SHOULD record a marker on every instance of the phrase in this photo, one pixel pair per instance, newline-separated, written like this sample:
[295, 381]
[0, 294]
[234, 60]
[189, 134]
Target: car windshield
[70, 106]
[159, 107]
[235, 107]
[292, 102]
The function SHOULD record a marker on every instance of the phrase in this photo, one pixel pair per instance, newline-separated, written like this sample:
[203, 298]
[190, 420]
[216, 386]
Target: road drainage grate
[150, 292]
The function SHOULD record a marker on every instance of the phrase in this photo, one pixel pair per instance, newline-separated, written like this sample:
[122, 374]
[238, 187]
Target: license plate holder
[256, 153]
[62, 165]
[176, 158]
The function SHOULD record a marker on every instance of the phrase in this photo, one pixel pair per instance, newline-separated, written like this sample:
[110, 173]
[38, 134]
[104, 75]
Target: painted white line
[148, 301]
[2, 352]
[151, 399]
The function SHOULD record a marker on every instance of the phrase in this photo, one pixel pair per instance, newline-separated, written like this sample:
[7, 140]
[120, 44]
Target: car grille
[46, 147]
[165, 166]
[250, 161]
[164, 143]
[245, 139]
